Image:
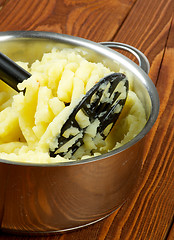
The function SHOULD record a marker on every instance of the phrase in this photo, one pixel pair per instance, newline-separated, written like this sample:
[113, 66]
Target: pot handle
[142, 59]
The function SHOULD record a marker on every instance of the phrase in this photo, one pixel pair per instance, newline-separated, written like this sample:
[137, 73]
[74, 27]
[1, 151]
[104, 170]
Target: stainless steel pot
[43, 198]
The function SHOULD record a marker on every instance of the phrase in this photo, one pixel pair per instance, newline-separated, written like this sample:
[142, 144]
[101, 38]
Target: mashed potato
[30, 122]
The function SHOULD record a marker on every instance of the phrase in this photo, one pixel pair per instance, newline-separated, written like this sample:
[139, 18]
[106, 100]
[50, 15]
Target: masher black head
[102, 103]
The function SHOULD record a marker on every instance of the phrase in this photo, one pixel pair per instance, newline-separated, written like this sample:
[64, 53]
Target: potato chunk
[9, 126]
[25, 105]
[65, 87]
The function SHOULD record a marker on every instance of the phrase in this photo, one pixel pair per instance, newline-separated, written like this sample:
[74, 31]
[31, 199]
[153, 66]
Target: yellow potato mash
[30, 122]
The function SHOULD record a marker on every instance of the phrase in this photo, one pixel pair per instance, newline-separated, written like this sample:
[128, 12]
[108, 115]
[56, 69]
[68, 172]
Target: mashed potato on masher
[30, 122]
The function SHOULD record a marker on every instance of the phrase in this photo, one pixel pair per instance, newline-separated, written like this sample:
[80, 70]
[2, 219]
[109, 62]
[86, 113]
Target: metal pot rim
[10, 35]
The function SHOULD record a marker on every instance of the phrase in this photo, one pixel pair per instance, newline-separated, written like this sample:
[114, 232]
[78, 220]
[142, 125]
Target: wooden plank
[148, 214]
[143, 216]
[2, 3]
[95, 20]
[171, 234]
[146, 28]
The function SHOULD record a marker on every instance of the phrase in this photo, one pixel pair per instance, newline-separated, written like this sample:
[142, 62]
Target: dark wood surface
[147, 25]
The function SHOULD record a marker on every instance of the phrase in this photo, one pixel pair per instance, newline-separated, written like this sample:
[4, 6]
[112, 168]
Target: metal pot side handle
[142, 59]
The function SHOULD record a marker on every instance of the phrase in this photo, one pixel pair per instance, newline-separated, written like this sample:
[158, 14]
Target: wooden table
[148, 26]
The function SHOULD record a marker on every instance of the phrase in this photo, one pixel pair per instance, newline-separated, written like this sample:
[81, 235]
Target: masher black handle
[11, 73]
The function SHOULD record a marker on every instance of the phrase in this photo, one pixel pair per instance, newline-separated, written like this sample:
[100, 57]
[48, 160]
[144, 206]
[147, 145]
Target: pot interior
[28, 47]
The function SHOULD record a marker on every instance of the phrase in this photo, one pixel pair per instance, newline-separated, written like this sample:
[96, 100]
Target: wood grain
[170, 235]
[156, 188]
[147, 25]
[146, 28]
[2, 3]
[95, 20]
